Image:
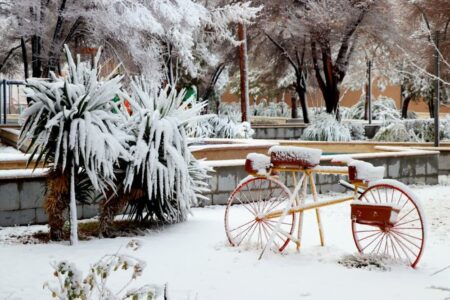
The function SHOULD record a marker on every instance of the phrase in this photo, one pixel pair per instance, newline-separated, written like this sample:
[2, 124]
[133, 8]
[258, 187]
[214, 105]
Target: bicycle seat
[292, 156]
[363, 171]
[258, 164]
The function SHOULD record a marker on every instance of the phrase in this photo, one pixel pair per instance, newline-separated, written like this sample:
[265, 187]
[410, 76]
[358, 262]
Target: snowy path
[195, 260]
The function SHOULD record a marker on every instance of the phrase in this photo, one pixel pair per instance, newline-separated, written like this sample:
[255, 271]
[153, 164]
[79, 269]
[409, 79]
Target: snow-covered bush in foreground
[161, 162]
[71, 285]
[325, 127]
[70, 124]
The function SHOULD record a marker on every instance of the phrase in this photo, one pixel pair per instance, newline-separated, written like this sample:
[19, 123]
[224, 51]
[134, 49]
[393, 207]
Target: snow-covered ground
[196, 262]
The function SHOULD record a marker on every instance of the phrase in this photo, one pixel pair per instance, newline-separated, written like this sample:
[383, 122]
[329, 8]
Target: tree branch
[10, 52]
[342, 54]
[283, 52]
[319, 78]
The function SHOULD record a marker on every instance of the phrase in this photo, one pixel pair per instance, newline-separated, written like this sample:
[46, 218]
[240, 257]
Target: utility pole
[437, 92]
[243, 66]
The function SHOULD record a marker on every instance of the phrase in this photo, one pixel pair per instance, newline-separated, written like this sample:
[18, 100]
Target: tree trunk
[73, 209]
[56, 202]
[294, 114]
[304, 107]
[431, 107]
[243, 66]
[24, 57]
[55, 47]
[331, 96]
[36, 65]
[405, 105]
[300, 87]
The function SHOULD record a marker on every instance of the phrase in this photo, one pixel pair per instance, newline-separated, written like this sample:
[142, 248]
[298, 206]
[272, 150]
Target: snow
[366, 171]
[309, 155]
[23, 173]
[342, 159]
[330, 169]
[10, 156]
[196, 262]
[4, 149]
[260, 163]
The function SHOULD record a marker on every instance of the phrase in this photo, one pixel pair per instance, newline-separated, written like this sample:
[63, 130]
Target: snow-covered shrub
[357, 130]
[423, 129]
[71, 124]
[225, 127]
[383, 109]
[325, 127]
[395, 132]
[446, 130]
[162, 163]
[231, 110]
[72, 285]
[275, 109]
[222, 126]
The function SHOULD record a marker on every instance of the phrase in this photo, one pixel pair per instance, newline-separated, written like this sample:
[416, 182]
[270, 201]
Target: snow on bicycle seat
[291, 156]
[363, 171]
[258, 164]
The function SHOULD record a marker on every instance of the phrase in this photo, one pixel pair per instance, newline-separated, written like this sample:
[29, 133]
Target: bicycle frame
[297, 200]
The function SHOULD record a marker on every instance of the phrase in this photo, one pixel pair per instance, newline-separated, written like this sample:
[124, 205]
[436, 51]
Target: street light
[437, 92]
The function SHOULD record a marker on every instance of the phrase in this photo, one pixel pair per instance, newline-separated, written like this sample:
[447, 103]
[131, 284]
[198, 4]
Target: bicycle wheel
[405, 238]
[244, 225]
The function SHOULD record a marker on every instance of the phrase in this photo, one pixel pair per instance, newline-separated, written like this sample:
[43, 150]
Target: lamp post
[437, 92]
[369, 91]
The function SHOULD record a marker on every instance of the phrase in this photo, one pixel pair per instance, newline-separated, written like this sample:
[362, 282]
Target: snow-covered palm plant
[325, 127]
[395, 132]
[383, 109]
[161, 162]
[71, 124]
[223, 126]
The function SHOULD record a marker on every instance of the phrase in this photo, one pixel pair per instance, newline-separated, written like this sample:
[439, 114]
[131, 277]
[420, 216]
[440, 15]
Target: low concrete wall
[444, 163]
[21, 199]
[21, 202]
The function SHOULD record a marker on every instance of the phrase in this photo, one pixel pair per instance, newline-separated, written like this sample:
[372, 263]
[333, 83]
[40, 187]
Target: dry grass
[90, 230]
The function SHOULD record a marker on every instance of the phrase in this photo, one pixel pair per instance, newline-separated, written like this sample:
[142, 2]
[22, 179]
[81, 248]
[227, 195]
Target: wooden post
[243, 66]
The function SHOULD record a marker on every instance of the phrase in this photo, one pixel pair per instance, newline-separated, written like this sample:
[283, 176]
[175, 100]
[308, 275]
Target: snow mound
[292, 154]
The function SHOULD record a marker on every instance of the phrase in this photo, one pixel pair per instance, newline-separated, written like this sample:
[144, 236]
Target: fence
[12, 101]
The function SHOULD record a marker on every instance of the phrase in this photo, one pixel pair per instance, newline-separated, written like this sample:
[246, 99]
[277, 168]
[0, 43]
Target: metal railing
[12, 100]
